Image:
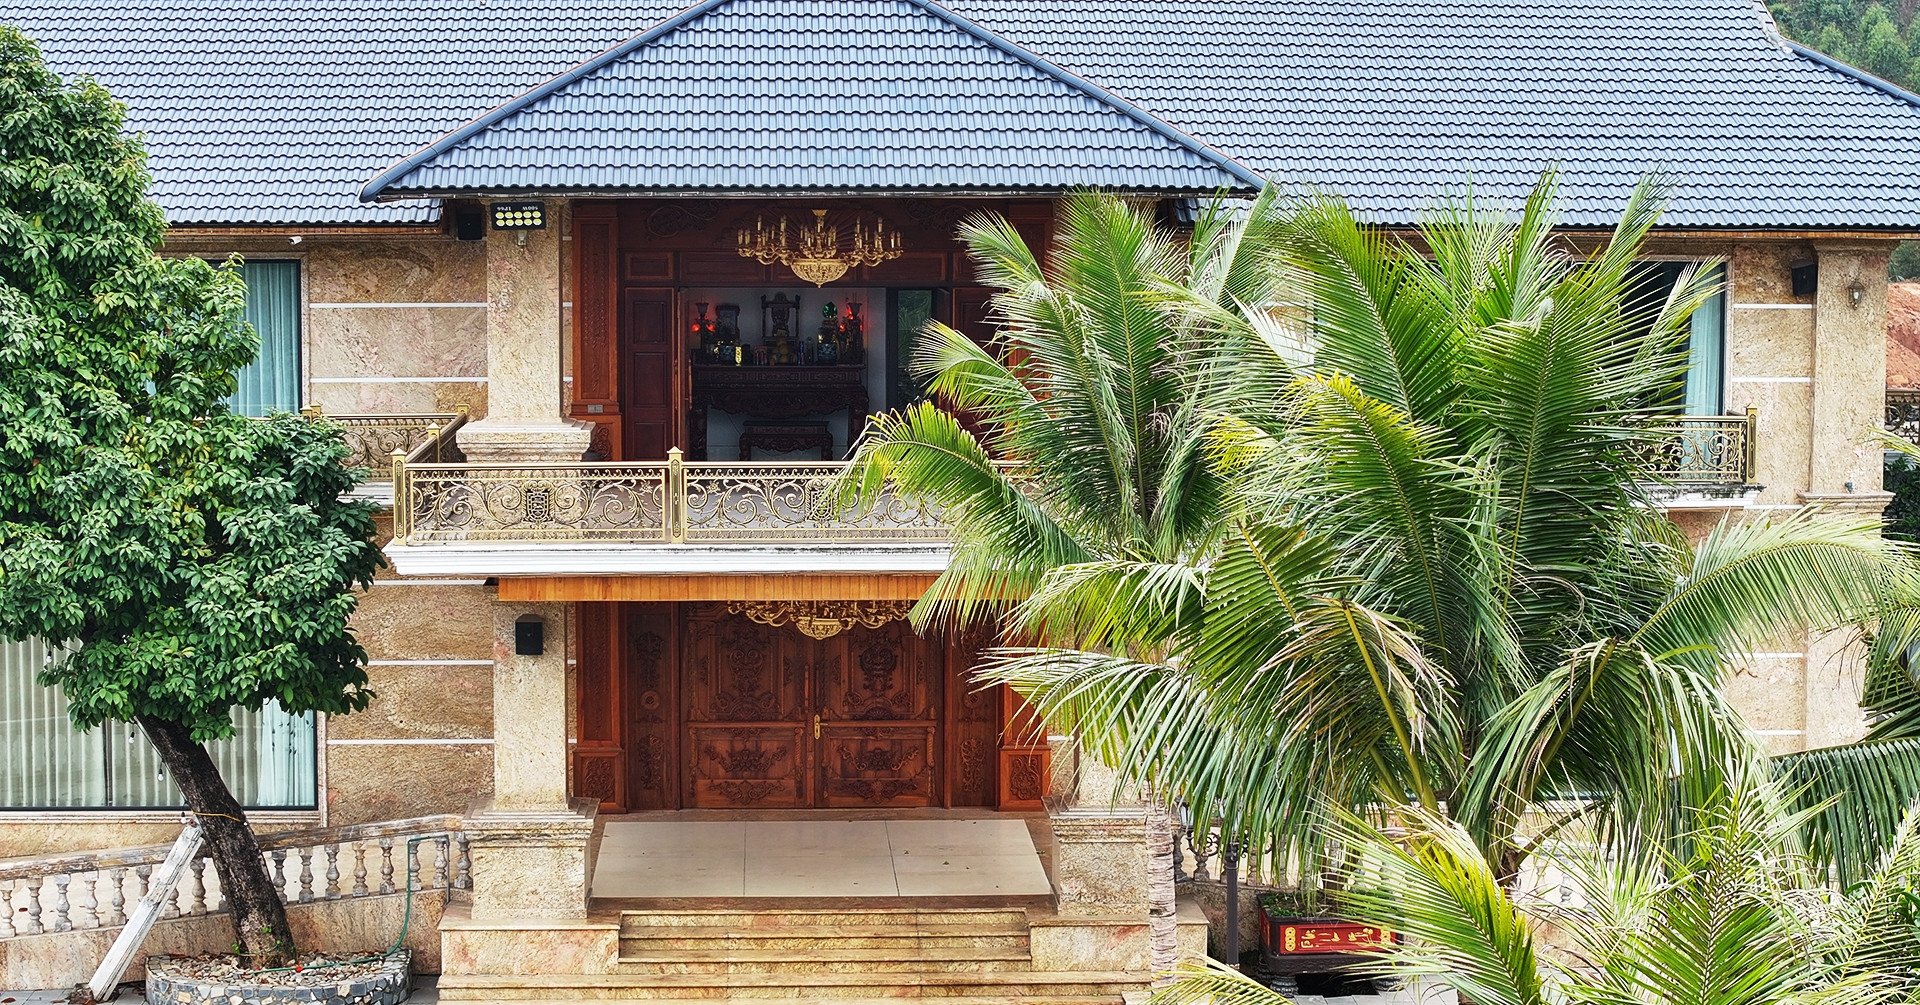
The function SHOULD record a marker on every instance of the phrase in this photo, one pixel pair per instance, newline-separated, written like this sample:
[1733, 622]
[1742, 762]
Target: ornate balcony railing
[440, 499]
[646, 502]
[1903, 412]
[372, 438]
[1698, 452]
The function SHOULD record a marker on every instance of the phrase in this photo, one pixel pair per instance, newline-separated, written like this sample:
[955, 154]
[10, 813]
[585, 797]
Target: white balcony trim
[565, 559]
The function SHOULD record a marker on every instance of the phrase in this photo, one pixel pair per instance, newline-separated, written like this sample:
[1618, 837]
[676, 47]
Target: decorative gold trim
[822, 619]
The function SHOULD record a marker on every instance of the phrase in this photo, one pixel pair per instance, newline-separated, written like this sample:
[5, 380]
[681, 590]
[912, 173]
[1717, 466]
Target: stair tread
[906, 979]
[905, 954]
[681, 912]
[823, 930]
[1022, 999]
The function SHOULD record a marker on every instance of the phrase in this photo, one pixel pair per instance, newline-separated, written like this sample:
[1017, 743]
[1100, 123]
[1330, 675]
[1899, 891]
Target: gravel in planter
[319, 980]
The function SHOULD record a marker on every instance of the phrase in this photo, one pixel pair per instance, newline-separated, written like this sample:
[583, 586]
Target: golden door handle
[816, 727]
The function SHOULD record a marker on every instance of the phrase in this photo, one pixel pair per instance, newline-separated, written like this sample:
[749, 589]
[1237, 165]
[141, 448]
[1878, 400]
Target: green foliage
[1875, 38]
[1423, 567]
[1725, 914]
[201, 560]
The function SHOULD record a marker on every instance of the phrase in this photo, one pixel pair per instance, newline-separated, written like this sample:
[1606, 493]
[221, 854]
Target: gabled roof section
[829, 96]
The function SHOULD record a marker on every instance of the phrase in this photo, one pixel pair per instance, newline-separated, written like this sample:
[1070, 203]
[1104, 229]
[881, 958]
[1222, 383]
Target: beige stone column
[530, 842]
[1103, 874]
[525, 403]
[1845, 463]
[1849, 373]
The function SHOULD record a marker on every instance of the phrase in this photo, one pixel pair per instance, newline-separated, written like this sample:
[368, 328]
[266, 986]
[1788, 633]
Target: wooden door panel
[747, 713]
[748, 765]
[649, 358]
[972, 723]
[649, 643]
[877, 675]
[872, 765]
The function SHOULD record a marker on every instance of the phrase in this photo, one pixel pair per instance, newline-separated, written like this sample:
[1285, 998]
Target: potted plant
[1306, 932]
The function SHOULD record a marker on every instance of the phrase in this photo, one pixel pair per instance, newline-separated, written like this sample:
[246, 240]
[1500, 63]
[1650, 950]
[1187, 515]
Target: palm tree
[1099, 392]
[1725, 914]
[1418, 561]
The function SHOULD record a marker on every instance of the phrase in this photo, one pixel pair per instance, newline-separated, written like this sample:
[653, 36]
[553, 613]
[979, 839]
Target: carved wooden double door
[777, 719]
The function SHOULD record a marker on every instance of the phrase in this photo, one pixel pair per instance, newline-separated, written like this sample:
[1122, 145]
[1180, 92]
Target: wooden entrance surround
[681, 704]
[688, 706]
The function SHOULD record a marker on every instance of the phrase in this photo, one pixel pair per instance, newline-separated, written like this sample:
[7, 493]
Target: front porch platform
[816, 856]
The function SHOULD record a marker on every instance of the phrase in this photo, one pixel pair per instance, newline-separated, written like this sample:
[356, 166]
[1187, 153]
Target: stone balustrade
[95, 889]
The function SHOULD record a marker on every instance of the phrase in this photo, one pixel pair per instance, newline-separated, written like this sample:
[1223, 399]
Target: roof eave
[862, 191]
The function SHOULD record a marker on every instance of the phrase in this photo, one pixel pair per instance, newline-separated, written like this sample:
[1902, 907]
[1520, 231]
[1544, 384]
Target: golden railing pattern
[745, 502]
[1700, 451]
[646, 502]
[373, 438]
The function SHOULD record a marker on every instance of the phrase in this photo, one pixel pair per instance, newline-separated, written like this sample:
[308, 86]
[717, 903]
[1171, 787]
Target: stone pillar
[1104, 871]
[530, 842]
[1844, 469]
[1849, 373]
[525, 404]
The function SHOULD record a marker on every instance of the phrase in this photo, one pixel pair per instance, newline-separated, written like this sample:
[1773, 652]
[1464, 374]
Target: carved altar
[775, 392]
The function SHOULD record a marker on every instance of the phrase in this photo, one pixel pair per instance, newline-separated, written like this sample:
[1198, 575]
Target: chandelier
[816, 253]
[822, 619]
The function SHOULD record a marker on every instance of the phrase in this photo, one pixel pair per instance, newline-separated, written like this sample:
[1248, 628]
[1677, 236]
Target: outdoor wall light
[1857, 292]
[519, 216]
[529, 635]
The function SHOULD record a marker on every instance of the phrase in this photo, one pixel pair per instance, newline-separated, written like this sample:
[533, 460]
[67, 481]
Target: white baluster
[386, 865]
[32, 926]
[413, 865]
[6, 909]
[332, 891]
[305, 855]
[359, 868]
[212, 899]
[442, 863]
[462, 865]
[60, 921]
[279, 871]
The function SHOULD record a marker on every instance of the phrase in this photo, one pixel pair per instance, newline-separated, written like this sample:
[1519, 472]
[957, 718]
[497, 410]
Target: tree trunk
[259, 916]
[1162, 913]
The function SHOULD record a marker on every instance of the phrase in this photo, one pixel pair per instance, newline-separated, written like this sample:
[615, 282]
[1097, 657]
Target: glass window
[1701, 393]
[271, 383]
[911, 310]
[46, 764]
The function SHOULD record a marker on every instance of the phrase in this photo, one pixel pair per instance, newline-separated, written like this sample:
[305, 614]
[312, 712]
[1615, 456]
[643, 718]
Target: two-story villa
[531, 252]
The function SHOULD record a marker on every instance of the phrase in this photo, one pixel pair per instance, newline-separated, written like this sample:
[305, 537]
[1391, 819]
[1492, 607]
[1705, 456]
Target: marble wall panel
[422, 702]
[1761, 272]
[426, 622]
[368, 782]
[1770, 691]
[435, 269]
[359, 398]
[1769, 343]
[1784, 435]
[397, 342]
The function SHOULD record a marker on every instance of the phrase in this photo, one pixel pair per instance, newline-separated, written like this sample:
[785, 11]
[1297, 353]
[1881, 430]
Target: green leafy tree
[1885, 53]
[193, 560]
[1832, 41]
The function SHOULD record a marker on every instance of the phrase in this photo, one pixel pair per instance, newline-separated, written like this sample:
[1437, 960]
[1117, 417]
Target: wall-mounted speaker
[469, 222]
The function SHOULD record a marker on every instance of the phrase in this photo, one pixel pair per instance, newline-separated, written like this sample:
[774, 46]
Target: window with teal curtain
[1706, 355]
[271, 383]
[1700, 393]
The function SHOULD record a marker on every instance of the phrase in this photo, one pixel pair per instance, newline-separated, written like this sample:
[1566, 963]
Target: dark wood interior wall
[662, 246]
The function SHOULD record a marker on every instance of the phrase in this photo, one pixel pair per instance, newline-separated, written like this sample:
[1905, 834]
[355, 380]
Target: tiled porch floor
[818, 858]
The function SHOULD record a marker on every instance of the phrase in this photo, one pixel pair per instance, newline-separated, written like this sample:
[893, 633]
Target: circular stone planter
[389, 984]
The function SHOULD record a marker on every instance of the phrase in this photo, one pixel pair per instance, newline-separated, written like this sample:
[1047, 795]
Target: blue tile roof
[278, 111]
[834, 96]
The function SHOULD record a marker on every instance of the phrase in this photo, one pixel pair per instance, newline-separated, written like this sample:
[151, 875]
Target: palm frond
[1206, 982]
[1862, 794]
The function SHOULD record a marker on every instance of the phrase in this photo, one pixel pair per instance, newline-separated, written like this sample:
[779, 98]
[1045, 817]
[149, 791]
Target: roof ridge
[376, 186]
[459, 134]
[1852, 72]
[1166, 129]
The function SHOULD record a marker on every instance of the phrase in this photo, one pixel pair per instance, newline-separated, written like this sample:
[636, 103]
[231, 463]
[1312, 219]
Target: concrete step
[635, 921]
[641, 939]
[990, 985]
[816, 960]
